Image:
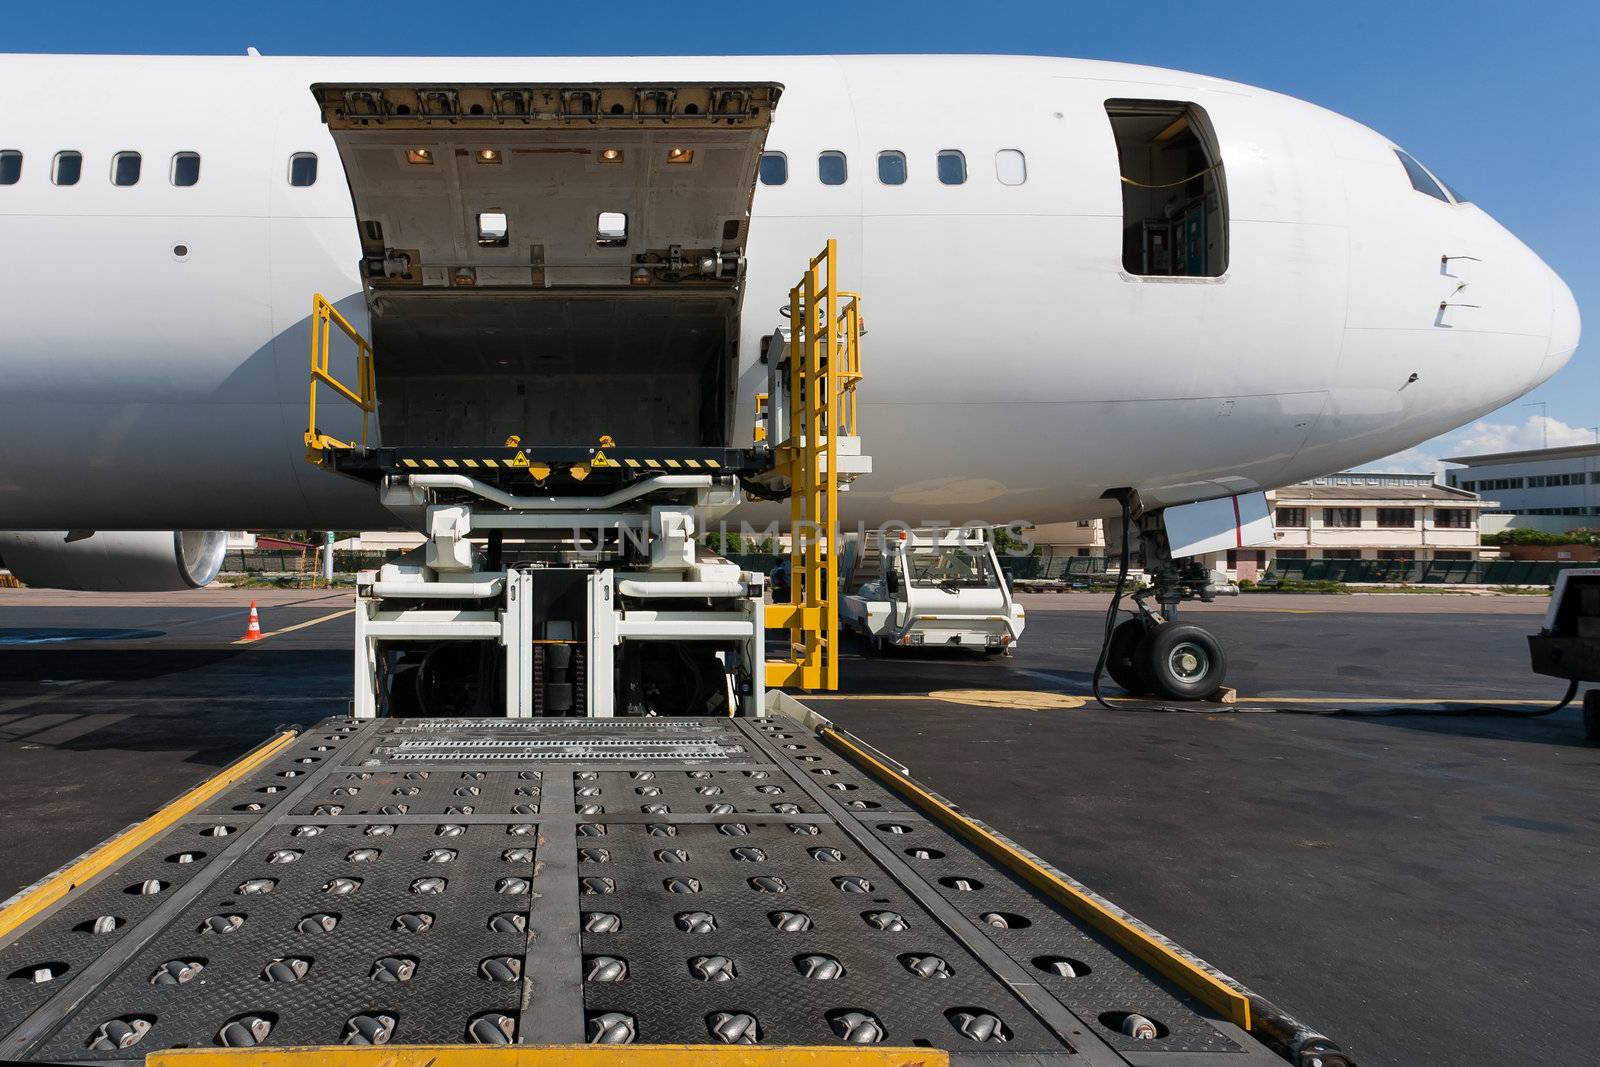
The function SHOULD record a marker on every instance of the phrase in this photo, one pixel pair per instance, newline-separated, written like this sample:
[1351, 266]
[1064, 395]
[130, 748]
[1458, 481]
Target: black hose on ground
[1125, 498]
[1487, 711]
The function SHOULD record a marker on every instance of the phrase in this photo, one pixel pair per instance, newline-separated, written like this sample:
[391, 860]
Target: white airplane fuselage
[1014, 369]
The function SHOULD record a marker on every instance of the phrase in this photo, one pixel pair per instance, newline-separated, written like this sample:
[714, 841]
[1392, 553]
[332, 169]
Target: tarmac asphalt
[1419, 886]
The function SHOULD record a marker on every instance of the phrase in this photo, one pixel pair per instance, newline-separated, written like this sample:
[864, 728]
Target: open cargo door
[553, 262]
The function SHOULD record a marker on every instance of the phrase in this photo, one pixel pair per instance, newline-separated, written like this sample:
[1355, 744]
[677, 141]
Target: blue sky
[1497, 98]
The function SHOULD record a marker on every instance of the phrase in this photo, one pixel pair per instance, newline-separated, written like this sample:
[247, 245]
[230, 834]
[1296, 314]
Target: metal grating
[622, 890]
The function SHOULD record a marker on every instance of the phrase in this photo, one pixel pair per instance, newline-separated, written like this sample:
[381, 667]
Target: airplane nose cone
[1565, 325]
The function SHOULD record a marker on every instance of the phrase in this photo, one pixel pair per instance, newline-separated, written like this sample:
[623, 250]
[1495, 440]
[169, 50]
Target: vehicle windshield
[967, 568]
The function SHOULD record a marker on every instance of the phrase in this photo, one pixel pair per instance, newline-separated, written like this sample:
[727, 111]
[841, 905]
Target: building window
[1399, 555]
[67, 168]
[1397, 518]
[125, 168]
[1291, 517]
[1451, 554]
[832, 168]
[10, 166]
[1341, 517]
[303, 169]
[774, 168]
[1010, 166]
[1289, 553]
[1421, 180]
[892, 168]
[1452, 518]
[185, 168]
[1174, 198]
[1341, 553]
[952, 167]
[1545, 481]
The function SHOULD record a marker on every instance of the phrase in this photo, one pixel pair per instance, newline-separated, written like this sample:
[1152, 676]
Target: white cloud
[1537, 431]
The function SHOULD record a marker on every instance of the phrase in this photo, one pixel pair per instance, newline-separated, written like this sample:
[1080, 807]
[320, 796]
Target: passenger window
[67, 168]
[1421, 180]
[892, 168]
[125, 168]
[185, 168]
[1174, 197]
[10, 166]
[952, 167]
[303, 169]
[831, 168]
[1010, 166]
[774, 168]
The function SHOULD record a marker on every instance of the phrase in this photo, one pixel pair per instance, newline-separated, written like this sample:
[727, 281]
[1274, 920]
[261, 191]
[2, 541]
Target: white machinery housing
[933, 588]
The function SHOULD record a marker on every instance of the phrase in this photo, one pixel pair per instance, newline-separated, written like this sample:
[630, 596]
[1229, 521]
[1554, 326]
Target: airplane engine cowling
[131, 561]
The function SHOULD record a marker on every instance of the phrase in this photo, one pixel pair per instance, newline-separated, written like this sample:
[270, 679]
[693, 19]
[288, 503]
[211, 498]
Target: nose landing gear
[1153, 653]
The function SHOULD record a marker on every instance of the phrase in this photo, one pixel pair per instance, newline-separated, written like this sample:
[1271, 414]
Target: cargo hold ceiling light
[680, 155]
[419, 156]
[611, 155]
[488, 155]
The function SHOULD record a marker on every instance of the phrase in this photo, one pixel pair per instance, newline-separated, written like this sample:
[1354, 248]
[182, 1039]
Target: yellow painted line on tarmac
[1046, 700]
[299, 626]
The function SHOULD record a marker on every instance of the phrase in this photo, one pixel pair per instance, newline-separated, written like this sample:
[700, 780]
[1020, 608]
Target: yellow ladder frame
[824, 366]
[324, 316]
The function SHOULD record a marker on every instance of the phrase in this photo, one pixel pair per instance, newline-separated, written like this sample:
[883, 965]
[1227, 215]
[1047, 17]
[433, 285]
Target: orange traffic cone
[253, 631]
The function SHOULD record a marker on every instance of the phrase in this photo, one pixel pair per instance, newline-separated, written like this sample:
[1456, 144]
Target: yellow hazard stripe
[409, 462]
[491, 463]
[632, 463]
[1154, 950]
[470, 462]
[54, 889]
[430, 463]
[451, 463]
[553, 1056]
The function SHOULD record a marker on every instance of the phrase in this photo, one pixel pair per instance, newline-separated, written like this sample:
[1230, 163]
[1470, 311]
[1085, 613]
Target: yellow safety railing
[324, 316]
[824, 367]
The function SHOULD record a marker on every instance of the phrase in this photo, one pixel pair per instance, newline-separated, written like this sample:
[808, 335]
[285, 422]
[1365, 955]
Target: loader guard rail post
[824, 366]
[324, 316]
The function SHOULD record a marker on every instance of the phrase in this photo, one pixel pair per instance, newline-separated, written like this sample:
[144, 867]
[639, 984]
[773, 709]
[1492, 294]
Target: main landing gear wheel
[1120, 654]
[1179, 661]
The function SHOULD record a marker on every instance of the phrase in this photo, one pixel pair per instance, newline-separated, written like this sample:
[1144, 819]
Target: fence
[290, 561]
[1429, 572]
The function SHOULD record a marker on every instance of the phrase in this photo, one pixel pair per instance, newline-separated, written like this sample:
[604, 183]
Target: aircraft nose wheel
[1178, 661]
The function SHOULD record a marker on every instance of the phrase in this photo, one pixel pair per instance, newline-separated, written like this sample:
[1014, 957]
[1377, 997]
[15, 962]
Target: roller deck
[651, 882]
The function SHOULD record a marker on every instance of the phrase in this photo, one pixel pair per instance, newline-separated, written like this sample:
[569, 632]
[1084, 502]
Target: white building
[1551, 489]
[1406, 518]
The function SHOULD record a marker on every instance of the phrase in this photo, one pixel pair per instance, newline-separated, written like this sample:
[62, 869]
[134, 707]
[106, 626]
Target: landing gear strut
[1154, 653]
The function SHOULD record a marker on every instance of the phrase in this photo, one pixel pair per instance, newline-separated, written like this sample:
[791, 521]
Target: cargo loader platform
[752, 882]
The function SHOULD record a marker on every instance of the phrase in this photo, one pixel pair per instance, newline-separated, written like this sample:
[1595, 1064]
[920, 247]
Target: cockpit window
[1421, 180]
[1457, 197]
